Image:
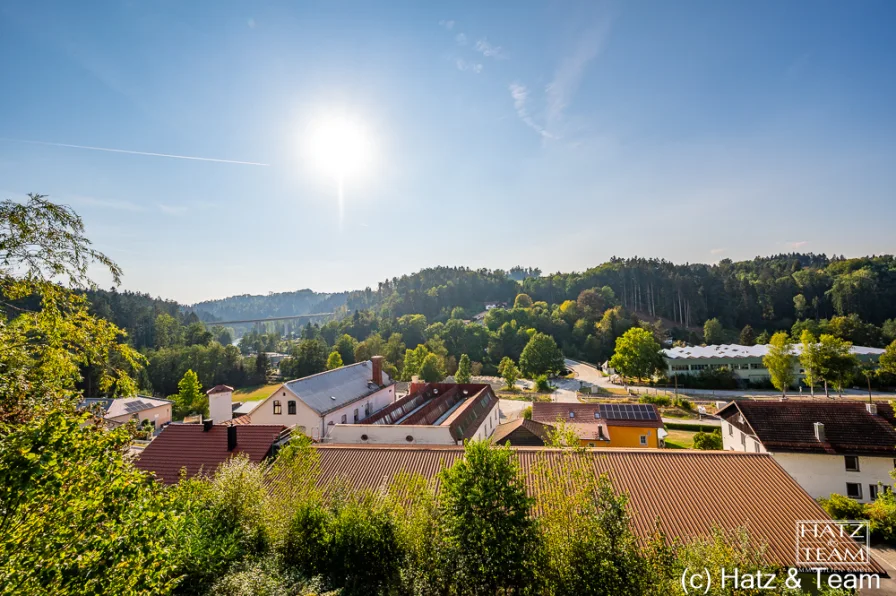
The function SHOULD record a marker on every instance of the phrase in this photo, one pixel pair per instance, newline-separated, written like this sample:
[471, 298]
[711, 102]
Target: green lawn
[680, 439]
[254, 393]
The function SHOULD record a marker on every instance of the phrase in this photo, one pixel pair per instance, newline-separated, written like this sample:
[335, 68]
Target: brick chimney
[231, 438]
[377, 362]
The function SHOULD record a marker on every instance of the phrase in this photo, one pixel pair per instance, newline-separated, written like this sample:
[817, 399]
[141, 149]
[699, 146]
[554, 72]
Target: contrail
[169, 155]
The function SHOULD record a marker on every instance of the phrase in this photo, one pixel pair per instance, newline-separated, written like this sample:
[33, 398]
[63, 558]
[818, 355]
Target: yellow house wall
[626, 436]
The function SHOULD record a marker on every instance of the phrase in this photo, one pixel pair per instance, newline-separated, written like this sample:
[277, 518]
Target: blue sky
[545, 134]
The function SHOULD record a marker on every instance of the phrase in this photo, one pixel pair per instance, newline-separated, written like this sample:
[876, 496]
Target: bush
[256, 578]
[542, 385]
[527, 413]
[657, 400]
[708, 441]
[683, 403]
[882, 515]
[840, 507]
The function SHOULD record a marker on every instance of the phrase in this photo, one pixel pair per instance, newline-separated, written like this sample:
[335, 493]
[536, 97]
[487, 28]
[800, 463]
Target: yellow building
[605, 424]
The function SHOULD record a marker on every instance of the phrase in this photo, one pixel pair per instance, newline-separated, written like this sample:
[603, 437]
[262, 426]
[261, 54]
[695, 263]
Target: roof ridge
[325, 372]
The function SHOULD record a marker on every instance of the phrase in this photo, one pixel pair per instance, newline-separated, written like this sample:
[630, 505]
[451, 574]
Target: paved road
[511, 409]
[690, 422]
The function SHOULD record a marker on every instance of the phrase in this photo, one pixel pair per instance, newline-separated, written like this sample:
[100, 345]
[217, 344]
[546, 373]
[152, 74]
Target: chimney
[231, 438]
[377, 362]
[220, 402]
[872, 409]
[819, 431]
[207, 424]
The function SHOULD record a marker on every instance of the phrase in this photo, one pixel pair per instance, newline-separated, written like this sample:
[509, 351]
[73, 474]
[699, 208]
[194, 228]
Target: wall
[220, 406]
[743, 368]
[309, 421]
[625, 436]
[160, 415]
[733, 439]
[821, 474]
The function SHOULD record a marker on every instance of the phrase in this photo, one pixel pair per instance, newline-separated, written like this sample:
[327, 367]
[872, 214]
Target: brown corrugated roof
[536, 429]
[789, 426]
[548, 412]
[190, 446]
[690, 492]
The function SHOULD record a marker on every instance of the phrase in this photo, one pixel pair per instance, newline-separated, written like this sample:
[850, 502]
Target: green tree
[763, 338]
[413, 361]
[308, 357]
[541, 356]
[836, 362]
[542, 385]
[509, 372]
[708, 441]
[779, 361]
[77, 517]
[261, 366]
[637, 354]
[463, 370]
[167, 331]
[713, 333]
[747, 336]
[492, 538]
[334, 360]
[189, 399]
[431, 370]
[346, 345]
[888, 359]
[522, 301]
[810, 359]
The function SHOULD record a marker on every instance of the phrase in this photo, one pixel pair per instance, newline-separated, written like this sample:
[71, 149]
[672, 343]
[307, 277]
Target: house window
[591, 444]
[731, 431]
[278, 407]
[853, 490]
[743, 439]
[356, 414]
[291, 407]
[756, 446]
[852, 463]
[597, 414]
[344, 419]
[643, 440]
[367, 409]
[572, 414]
[872, 492]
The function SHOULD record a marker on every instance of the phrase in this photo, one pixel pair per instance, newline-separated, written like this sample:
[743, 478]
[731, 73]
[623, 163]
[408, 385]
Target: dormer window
[597, 414]
[572, 414]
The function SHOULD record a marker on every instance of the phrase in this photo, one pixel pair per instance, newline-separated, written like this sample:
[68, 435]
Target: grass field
[254, 393]
[680, 439]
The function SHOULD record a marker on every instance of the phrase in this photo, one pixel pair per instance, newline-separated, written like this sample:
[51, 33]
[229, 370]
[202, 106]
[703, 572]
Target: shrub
[683, 403]
[708, 441]
[882, 515]
[840, 507]
[527, 413]
[542, 385]
[657, 400]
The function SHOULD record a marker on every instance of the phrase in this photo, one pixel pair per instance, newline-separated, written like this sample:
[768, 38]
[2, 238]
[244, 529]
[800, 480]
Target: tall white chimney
[872, 409]
[819, 431]
[220, 403]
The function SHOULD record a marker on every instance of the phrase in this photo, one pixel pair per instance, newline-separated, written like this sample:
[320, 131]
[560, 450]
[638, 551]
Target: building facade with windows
[848, 448]
[744, 361]
[605, 424]
[313, 405]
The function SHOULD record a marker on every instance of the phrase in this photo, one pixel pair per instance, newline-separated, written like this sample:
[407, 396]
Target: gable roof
[219, 389]
[612, 414]
[333, 389]
[131, 405]
[788, 426]
[690, 492]
[198, 450]
[531, 428]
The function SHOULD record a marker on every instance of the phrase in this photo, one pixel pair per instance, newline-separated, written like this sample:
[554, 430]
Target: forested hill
[766, 292]
[283, 304]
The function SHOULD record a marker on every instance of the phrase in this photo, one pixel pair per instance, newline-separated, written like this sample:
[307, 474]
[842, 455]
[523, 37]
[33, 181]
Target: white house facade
[848, 448]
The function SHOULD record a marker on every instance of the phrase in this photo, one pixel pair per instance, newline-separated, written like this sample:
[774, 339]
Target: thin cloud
[797, 244]
[147, 153]
[716, 251]
[490, 51]
[449, 25]
[568, 75]
[461, 39]
[520, 95]
[464, 65]
[172, 209]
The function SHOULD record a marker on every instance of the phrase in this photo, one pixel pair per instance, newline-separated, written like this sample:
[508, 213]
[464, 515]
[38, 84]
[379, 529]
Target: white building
[314, 404]
[744, 361]
[431, 414]
[828, 447]
[124, 409]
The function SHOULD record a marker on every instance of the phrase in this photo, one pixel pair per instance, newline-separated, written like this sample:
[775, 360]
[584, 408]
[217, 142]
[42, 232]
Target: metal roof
[335, 388]
[131, 405]
[738, 351]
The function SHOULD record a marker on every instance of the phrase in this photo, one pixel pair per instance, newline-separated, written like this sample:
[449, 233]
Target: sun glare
[339, 146]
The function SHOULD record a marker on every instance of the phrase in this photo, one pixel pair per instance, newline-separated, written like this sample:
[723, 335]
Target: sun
[339, 146]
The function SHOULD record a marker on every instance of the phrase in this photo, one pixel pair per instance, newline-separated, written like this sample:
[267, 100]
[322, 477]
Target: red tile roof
[220, 389]
[202, 451]
[789, 426]
[689, 491]
[548, 412]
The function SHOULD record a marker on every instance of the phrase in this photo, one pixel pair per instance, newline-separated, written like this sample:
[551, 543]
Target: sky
[544, 134]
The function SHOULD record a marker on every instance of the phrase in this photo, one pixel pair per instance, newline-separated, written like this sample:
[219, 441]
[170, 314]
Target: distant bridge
[289, 318]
